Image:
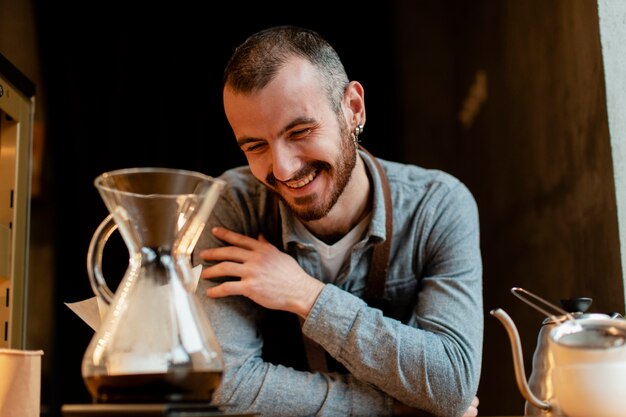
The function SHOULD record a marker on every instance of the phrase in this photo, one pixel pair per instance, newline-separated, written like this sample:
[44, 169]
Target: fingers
[234, 238]
[224, 269]
[225, 253]
[240, 249]
[472, 411]
[225, 289]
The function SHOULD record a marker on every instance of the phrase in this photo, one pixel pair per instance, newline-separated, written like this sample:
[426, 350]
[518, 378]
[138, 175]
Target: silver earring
[357, 131]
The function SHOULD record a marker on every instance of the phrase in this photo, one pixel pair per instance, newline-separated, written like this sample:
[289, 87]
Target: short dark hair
[259, 58]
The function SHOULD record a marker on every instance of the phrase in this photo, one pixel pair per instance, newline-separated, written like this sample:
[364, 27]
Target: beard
[315, 207]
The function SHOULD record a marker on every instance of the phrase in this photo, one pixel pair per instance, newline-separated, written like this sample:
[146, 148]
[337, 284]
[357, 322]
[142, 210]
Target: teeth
[304, 181]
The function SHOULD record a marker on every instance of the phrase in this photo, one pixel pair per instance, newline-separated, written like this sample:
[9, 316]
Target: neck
[353, 205]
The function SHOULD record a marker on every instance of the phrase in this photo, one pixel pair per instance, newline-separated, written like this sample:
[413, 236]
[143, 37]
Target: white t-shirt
[333, 256]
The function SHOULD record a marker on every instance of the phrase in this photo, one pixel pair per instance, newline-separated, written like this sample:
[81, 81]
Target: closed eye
[252, 145]
[301, 133]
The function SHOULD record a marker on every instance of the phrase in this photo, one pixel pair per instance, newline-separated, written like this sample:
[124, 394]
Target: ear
[354, 101]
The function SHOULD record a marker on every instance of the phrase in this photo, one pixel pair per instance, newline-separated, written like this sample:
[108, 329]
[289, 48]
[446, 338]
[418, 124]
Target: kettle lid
[578, 316]
[577, 307]
[591, 334]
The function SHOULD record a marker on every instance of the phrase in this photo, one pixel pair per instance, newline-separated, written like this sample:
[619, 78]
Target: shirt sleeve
[249, 384]
[433, 362]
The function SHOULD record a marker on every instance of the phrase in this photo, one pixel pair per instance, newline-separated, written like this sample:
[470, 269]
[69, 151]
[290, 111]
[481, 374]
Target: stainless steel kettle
[539, 390]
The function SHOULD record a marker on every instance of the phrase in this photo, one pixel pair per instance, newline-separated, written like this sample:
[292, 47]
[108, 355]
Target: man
[379, 261]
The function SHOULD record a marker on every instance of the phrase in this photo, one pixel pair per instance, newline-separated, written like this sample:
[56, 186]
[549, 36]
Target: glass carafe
[154, 344]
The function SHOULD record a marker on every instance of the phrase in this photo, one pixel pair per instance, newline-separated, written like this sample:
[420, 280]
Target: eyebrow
[298, 121]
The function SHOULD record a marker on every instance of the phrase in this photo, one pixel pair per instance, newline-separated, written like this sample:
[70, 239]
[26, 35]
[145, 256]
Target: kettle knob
[576, 305]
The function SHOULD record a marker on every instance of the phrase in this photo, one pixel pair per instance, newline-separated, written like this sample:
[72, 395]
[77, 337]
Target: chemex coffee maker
[155, 352]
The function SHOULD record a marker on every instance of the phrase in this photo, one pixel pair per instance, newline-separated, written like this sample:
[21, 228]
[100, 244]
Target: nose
[285, 162]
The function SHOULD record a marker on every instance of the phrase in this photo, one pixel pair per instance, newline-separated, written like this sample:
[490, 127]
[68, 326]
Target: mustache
[302, 172]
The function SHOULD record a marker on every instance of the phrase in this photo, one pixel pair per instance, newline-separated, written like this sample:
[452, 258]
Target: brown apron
[283, 340]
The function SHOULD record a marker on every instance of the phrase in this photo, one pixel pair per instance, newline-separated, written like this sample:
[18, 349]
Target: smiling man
[338, 284]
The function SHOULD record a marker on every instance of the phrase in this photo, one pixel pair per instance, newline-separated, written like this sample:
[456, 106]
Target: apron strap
[379, 266]
[317, 358]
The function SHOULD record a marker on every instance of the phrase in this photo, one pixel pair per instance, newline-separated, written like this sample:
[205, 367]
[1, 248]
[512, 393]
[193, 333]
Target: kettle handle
[517, 291]
[94, 259]
[518, 360]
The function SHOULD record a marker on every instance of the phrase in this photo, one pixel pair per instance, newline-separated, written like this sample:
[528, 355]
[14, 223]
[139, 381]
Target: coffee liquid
[153, 388]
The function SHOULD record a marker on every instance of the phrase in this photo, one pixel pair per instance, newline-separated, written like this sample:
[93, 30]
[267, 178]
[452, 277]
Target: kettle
[571, 345]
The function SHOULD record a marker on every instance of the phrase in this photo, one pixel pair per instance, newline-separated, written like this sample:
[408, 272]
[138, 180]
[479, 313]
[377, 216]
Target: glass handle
[94, 259]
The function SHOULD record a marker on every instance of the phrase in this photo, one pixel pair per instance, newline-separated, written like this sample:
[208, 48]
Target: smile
[302, 182]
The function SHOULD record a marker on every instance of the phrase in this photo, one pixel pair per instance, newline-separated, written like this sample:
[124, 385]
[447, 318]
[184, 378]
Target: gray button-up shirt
[426, 353]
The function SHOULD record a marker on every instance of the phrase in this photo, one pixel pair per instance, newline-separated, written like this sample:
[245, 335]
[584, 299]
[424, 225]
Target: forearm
[251, 384]
[280, 391]
[417, 367]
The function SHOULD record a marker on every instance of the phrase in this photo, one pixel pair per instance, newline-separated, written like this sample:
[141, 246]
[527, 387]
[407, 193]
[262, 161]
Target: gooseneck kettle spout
[518, 360]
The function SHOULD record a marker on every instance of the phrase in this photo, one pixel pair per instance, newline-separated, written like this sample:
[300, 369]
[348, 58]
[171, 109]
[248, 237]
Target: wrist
[310, 293]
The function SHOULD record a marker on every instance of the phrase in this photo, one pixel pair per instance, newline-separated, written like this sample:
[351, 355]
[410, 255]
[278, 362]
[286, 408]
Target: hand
[402, 410]
[268, 276]
[472, 411]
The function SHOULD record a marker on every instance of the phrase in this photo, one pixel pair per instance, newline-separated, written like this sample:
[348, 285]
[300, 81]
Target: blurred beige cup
[20, 382]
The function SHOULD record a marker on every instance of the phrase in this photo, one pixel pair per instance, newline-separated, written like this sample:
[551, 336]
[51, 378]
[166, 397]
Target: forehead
[295, 92]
